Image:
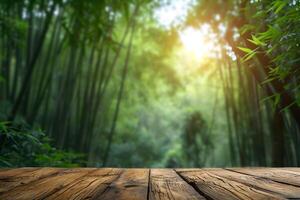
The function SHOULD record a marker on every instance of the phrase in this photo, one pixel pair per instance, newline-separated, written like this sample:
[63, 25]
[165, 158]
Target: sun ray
[201, 43]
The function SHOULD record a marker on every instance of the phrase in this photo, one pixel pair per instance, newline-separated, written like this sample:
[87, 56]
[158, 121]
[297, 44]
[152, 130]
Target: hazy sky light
[174, 12]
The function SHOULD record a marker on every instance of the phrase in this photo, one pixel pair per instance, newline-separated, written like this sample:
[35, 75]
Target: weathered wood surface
[167, 184]
[163, 184]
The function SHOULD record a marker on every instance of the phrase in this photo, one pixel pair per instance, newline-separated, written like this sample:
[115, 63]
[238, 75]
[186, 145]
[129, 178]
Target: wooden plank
[43, 188]
[132, 184]
[88, 187]
[292, 169]
[275, 174]
[216, 187]
[287, 191]
[16, 171]
[166, 184]
[107, 183]
[5, 169]
[14, 178]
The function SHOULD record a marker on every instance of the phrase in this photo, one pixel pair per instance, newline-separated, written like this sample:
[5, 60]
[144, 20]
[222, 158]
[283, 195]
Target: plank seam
[149, 185]
[257, 190]
[107, 188]
[194, 186]
[225, 188]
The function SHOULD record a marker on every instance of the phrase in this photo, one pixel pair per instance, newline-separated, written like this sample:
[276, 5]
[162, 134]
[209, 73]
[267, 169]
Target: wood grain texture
[292, 169]
[14, 178]
[287, 191]
[132, 184]
[275, 174]
[14, 172]
[219, 188]
[153, 184]
[166, 184]
[43, 188]
[89, 186]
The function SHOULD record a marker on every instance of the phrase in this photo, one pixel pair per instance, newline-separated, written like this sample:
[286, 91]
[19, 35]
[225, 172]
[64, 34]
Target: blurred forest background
[149, 83]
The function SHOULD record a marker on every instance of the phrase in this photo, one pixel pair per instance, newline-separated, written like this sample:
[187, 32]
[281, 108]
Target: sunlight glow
[200, 42]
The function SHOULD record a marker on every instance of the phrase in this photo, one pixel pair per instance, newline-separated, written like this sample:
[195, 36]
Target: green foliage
[281, 42]
[22, 146]
[62, 67]
[249, 53]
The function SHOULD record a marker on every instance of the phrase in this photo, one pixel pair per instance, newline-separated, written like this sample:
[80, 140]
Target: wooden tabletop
[117, 183]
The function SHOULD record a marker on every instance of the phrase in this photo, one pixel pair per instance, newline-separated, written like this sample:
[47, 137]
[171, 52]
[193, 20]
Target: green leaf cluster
[23, 146]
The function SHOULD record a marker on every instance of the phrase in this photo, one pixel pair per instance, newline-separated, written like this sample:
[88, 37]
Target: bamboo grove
[51, 46]
[66, 66]
[260, 88]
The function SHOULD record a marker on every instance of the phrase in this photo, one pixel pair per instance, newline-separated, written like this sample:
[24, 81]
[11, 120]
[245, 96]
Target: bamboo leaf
[257, 41]
[277, 99]
[280, 6]
[249, 56]
[244, 49]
